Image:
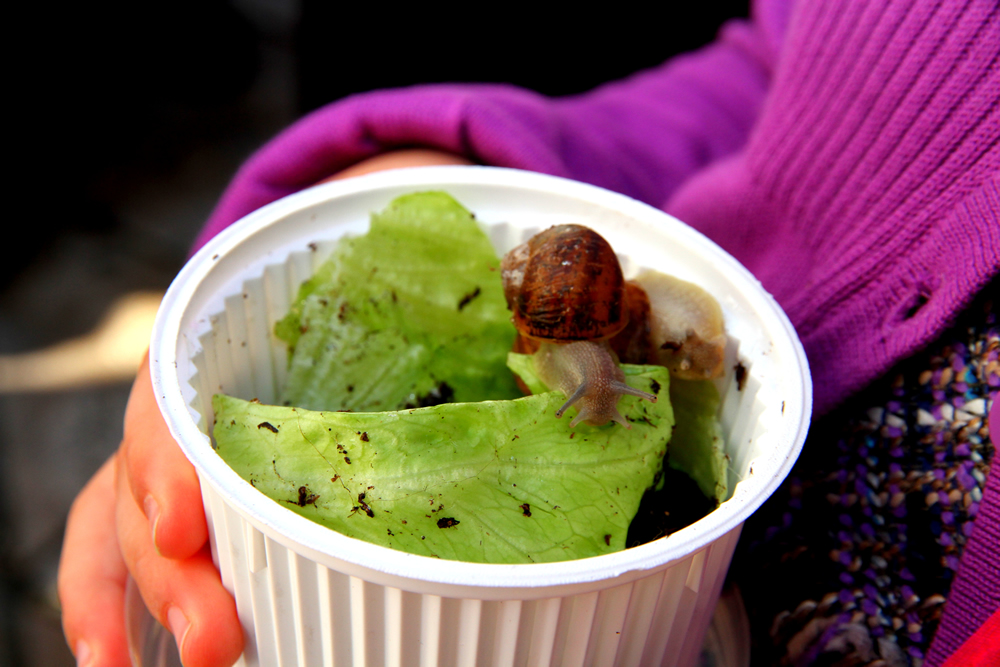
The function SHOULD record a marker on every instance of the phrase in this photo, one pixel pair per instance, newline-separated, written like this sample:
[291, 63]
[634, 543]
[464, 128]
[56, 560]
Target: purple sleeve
[641, 136]
[865, 200]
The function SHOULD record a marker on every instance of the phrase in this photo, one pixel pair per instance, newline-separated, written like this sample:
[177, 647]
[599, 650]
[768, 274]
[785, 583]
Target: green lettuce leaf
[491, 482]
[410, 314]
[698, 446]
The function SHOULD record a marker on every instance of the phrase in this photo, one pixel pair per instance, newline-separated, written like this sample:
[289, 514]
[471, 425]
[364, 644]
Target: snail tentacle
[577, 395]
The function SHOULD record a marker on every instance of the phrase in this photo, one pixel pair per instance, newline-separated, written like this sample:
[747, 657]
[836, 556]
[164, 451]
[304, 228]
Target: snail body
[587, 373]
[685, 327]
[566, 291]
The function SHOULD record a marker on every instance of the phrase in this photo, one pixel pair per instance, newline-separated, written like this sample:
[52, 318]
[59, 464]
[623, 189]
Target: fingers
[161, 480]
[186, 595]
[164, 537]
[409, 157]
[149, 491]
[92, 576]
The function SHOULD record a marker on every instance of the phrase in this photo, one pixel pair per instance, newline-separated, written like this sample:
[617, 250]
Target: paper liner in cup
[309, 596]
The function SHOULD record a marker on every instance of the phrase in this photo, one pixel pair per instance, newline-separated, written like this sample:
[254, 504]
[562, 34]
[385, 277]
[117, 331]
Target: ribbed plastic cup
[307, 595]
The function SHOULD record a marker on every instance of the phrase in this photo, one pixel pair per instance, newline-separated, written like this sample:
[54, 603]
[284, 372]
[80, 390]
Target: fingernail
[179, 626]
[152, 510]
[82, 653]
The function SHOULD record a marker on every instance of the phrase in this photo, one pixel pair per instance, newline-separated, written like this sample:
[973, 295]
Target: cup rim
[356, 556]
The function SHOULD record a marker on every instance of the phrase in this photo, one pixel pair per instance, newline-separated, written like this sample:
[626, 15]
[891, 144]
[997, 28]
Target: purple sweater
[845, 151]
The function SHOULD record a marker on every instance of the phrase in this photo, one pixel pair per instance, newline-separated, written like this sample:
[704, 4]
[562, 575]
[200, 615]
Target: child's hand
[150, 493]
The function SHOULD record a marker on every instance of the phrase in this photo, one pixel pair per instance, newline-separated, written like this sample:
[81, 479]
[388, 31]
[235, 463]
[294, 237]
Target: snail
[685, 327]
[566, 291]
[577, 315]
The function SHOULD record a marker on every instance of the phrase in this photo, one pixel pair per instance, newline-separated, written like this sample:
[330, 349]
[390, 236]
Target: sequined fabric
[851, 562]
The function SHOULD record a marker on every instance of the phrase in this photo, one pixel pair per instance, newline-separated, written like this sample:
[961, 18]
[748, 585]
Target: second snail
[578, 317]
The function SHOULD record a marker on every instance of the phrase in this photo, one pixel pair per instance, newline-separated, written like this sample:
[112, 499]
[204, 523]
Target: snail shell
[565, 284]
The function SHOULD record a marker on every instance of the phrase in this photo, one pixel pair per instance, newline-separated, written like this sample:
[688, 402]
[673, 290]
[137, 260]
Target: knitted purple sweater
[845, 151]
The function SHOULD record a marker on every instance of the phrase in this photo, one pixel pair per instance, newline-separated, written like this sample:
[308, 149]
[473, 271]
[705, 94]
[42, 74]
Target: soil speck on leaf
[364, 506]
[741, 375]
[468, 298]
[306, 498]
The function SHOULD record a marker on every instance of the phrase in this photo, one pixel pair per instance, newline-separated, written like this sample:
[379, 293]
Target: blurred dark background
[128, 121]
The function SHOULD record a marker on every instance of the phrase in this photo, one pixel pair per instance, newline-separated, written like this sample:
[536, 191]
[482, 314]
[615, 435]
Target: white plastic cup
[307, 595]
